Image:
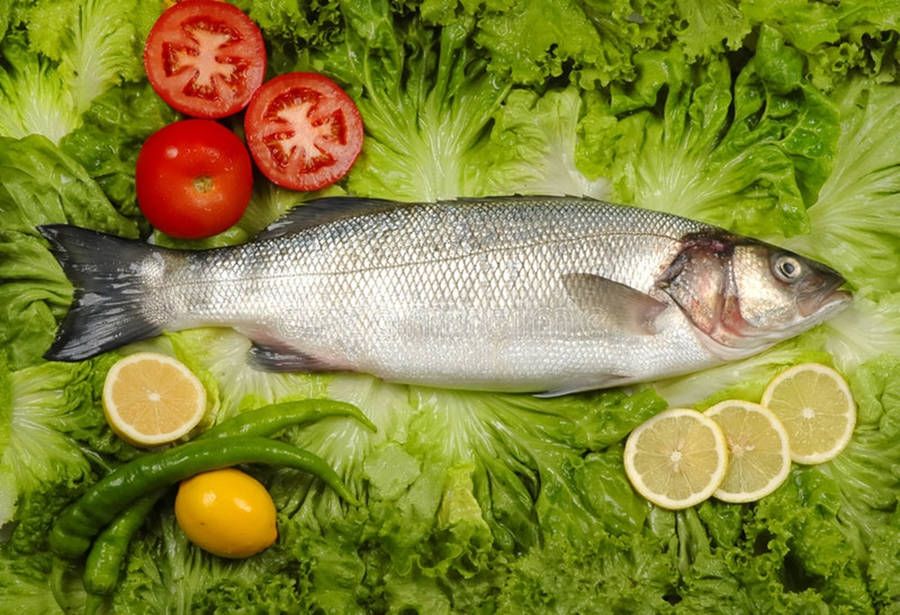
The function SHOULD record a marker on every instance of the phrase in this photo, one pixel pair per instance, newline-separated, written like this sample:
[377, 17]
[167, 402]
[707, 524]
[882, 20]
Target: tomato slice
[205, 58]
[303, 131]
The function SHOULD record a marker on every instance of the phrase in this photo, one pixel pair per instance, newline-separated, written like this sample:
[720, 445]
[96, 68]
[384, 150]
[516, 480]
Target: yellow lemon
[816, 408]
[759, 457]
[151, 399]
[677, 458]
[226, 512]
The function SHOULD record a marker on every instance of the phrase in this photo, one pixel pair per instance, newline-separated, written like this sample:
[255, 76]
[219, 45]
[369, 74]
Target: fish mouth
[825, 301]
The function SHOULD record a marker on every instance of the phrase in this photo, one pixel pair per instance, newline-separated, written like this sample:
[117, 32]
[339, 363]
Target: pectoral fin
[614, 303]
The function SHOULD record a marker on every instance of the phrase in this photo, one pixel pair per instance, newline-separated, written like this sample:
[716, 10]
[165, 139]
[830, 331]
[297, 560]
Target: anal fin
[283, 359]
[570, 388]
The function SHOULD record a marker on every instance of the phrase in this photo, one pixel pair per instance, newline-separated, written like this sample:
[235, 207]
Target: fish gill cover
[773, 119]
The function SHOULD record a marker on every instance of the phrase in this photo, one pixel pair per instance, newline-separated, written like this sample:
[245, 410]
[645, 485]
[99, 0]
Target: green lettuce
[532, 145]
[61, 55]
[110, 136]
[746, 153]
[52, 430]
[853, 221]
[837, 40]
[41, 185]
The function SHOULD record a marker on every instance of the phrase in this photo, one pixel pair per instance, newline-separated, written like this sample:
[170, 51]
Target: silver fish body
[515, 294]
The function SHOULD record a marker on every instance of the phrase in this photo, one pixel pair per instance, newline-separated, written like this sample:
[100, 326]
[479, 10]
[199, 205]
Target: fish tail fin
[109, 307]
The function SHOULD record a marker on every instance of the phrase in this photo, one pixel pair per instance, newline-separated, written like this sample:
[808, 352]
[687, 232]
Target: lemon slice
[677, 458]
[816, 408]
[151, 399]
[759, 457]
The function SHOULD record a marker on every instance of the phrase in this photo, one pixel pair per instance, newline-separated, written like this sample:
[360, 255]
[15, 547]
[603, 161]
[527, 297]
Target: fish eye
[787, 268]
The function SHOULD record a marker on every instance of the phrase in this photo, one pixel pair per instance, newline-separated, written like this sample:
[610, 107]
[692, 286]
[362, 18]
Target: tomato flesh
[205, 58]
[193, 179]
[303, 131]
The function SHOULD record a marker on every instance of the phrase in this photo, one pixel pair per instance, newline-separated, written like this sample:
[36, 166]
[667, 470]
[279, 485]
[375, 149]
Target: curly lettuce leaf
[67, 54]
[853, 223]
[867, 329]
[531, 148]
[677, 140]
[107, 142]
[41, 185]
[535, 41]
[837, 40]
[52, 431]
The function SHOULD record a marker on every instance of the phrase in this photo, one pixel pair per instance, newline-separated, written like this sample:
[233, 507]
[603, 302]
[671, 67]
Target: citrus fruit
[816, 408]
[151, 399]
[226, 512]
[677, 458]
[759, 457]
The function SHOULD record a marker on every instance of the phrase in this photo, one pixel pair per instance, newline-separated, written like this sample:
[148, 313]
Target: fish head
[744, 295]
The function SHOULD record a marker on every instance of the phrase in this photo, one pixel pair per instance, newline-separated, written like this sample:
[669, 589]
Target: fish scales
[421, 290]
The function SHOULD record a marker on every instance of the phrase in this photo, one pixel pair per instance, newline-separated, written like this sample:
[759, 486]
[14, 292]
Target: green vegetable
[104, 562]
[107, 498]
[745, 152]
[40, 184]
[67, 55]
[51, 431]
[775, 119]
[269, 419]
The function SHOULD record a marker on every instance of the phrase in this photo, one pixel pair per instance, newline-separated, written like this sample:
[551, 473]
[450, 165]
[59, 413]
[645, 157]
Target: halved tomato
[303, 131]
[205, 58]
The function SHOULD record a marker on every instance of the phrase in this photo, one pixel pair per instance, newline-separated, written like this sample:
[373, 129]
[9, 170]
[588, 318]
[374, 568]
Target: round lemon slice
[151, 399]
[676, 459]
[816, 408]
[759, 457]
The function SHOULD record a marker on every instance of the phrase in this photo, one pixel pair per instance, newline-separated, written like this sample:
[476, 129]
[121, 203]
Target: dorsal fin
[327, 209]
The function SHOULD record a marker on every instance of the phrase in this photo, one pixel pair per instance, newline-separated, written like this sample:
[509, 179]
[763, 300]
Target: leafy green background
[770, 118]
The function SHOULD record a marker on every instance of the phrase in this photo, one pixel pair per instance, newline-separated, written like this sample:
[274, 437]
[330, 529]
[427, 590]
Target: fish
[523, 294]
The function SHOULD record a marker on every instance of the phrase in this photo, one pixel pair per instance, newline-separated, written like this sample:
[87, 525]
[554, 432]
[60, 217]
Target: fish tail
[111, 297]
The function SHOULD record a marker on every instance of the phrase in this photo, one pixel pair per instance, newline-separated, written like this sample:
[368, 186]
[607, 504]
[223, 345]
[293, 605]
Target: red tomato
[303, 131]
[205, 58]
[193, 178]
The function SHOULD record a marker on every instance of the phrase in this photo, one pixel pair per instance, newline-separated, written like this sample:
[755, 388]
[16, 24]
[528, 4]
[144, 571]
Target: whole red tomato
[193, 179]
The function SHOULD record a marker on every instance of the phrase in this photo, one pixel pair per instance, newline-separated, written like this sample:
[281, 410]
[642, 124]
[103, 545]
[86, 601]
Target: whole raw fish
[516, 293]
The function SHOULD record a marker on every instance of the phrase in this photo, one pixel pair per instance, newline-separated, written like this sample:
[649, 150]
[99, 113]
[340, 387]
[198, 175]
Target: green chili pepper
[101, 572]
[269, 419]
[79, 523]
[104, 562]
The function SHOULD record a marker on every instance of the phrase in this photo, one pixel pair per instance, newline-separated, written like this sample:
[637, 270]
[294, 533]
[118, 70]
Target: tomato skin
[294, 114]
[193, 178]
[205, 58]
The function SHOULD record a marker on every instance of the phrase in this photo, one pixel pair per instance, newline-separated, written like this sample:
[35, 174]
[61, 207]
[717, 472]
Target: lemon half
[151, 399]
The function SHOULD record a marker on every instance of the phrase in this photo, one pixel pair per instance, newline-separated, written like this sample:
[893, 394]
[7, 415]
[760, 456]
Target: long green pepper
[101, 571]
[269, 419]
[79, 523]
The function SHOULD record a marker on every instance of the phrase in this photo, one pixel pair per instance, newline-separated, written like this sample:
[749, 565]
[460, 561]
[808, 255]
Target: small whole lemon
[226, 512]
